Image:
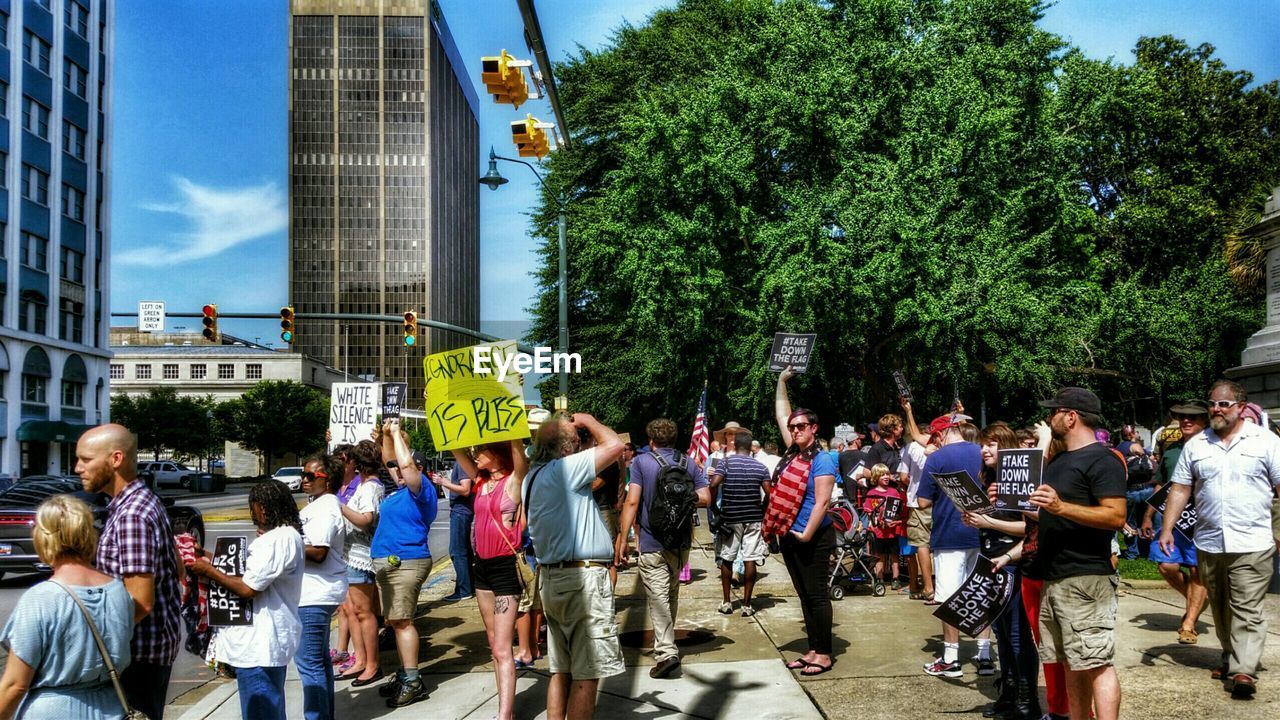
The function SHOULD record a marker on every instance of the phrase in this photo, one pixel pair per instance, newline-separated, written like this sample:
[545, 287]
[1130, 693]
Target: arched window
[36, 372]
[75, 378]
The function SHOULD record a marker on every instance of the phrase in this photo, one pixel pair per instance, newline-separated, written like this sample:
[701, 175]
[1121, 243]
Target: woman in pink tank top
[497, 471]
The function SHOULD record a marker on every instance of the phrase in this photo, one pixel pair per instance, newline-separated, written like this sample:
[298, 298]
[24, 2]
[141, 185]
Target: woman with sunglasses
[804, 529]
[324, 582]
[497, 473]
[360, 498]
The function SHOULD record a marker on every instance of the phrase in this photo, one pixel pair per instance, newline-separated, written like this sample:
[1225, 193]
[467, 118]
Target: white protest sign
[353, 410]
[150, 316]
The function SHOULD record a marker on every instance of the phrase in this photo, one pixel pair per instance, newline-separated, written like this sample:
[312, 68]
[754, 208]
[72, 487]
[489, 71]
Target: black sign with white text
[904, 390]
[1018, 475]
[225, 607]
[791, 349]
[393, 399]
[964, 491]
[1186, 522]
[979, 601]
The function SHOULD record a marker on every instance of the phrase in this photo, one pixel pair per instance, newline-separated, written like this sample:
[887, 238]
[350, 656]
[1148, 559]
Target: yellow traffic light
[286, 324]
[504, 79]
[530, 140]
[410, 328]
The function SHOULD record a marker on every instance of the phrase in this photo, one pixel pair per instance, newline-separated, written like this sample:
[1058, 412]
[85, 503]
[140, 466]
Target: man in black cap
[1082, 505]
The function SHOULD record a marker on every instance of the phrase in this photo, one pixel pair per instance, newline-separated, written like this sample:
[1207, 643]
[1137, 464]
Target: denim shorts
[360, 577]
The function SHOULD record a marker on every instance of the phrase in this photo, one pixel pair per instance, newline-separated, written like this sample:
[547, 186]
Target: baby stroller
[851, 544]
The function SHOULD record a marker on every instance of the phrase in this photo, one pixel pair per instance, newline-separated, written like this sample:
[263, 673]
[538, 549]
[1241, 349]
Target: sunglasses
[1060, 410]
[1187, 418]
[799, 426]
[1222, 404]
[309, 476]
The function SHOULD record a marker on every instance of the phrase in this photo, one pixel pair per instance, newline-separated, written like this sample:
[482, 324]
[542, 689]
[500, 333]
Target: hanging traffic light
[286, 324]
[504, 79]
[210, 321]
[530, 137]
[410, 328]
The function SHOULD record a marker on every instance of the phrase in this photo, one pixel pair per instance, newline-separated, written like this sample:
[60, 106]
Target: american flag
[700, 445]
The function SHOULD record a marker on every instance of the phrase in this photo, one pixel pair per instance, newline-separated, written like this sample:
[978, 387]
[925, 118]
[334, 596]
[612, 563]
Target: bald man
[136, 546]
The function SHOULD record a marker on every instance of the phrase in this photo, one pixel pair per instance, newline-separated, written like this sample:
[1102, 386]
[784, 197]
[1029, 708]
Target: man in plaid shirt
[136, 546]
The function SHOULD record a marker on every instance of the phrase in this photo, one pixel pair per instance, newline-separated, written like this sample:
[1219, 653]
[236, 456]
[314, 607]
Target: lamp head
[493, 178]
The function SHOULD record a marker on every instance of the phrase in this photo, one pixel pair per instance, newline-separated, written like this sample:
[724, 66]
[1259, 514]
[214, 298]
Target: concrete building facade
[383, 192]
[55, 123]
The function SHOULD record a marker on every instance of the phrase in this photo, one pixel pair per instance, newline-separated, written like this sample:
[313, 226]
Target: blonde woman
[55, 669]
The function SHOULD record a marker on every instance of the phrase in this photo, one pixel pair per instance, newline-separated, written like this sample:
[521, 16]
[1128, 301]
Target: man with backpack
[665, 489]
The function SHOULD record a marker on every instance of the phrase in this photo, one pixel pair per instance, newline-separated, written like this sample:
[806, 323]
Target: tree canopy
[936, 186]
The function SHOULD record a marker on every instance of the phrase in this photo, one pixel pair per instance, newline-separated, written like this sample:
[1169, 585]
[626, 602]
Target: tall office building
[55, 121]
[383, 192]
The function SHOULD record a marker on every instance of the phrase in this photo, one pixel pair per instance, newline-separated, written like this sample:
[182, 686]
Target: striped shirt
[138, 540]
[740, 498]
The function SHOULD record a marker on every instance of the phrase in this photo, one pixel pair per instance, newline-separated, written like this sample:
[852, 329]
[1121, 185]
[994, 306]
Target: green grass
[1139, 570]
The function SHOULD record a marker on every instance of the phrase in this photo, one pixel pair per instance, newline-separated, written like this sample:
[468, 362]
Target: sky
[199, 173]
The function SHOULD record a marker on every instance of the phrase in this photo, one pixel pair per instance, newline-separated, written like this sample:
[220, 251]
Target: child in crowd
[884, 506]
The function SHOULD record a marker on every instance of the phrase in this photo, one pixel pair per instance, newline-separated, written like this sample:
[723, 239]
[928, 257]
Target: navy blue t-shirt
[949, 530]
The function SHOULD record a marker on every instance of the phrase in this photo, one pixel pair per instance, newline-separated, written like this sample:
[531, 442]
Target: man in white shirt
[1235, 468]
[919, 520]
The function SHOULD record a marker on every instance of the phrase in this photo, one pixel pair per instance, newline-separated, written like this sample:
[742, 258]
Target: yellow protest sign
[465, 405]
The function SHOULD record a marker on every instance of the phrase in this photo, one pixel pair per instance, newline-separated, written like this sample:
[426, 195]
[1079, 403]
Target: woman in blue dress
[54, 668]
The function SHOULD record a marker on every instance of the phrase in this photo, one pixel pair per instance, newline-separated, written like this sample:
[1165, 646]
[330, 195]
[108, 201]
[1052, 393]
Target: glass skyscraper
[55, 83]
[383, 191]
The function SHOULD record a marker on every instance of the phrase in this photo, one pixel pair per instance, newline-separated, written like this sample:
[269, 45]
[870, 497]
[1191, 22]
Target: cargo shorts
[582, 632]
[919, 526]
[1078, 621]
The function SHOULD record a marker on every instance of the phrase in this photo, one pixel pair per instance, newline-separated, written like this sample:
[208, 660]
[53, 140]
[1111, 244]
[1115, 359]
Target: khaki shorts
[745, 539]
[398, 587]
[610, 518]
[530, 599]
[919, 526]
[582, 633]
[1078, 621]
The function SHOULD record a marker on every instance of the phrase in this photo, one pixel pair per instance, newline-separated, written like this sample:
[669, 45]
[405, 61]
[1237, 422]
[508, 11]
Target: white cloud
[218, 219]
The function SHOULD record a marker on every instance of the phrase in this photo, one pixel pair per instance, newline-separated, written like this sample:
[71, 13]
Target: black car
[18, 506]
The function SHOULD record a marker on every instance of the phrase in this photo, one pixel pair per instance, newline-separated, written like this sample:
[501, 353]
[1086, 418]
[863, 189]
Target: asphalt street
[188, 670]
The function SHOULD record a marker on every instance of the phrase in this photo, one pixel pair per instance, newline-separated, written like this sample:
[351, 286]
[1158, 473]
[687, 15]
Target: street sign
[150, 316]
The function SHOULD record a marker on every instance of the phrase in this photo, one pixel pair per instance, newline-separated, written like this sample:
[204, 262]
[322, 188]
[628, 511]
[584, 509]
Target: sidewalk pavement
[733, 666]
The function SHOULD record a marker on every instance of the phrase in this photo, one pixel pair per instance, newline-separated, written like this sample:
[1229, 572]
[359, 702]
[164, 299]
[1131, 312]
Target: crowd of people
[539, 531]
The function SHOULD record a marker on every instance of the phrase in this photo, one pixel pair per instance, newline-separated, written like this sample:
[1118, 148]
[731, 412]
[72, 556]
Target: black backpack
[673, 503]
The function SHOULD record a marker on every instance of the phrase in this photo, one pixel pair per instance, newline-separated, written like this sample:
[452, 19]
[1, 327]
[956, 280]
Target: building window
[73, 202]
[71, 321]
[36, 52]
[142, 372]
[32, 309]
[4, 29]
[33, 389]
[72, 140]
[43, 3]
[117, 371]
[198, 372]
[4, 99]
[72, 267]
[35, 252]
[35, 184]
[253, 371]
[4, 169]
[170, 372]
[72, 394]
[76, 17]
[75, 79]
[35, 118]
[226, 372]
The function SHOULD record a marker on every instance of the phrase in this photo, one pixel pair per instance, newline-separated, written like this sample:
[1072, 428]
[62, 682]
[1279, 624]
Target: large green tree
[165, 421]
[938, 186]
[276, 417]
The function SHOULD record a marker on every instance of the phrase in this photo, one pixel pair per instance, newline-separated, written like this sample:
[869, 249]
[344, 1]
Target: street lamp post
[493, 179]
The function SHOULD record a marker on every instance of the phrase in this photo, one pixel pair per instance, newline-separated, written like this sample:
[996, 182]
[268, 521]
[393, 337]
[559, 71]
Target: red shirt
[887, 527]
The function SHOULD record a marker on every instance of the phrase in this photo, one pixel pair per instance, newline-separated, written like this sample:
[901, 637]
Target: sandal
[814, 669]
[1188, 637]
[798, 664]
[931, 600]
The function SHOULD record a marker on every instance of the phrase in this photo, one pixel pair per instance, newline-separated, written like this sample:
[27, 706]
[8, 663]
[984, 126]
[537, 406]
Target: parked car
[18, 515]
[291, 476]
[171, 473]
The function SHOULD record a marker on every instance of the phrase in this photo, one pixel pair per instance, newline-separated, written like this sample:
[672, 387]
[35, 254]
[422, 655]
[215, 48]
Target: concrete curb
[210, 702]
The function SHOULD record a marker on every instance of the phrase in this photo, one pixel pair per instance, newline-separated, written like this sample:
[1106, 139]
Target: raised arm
[608, 447]
[782, 405]
[520, 470]
[912, 428]
[404, 458]
[463, 458]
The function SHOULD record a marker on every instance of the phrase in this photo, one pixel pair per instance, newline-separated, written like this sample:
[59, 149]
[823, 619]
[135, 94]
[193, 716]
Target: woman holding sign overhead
[797, 521]
[498, 471]
[1000, 532]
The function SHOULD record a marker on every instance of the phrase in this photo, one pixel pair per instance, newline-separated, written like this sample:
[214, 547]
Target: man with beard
[1082, 506]
[1235, 467]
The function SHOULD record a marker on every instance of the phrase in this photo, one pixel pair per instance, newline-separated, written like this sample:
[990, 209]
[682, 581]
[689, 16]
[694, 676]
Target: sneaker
[748, 611]
[391, 688]
[986, 666]
[944, 669]
[725, 608]
[407, 693]
[896, 585]
[664, 667]
[455, 597]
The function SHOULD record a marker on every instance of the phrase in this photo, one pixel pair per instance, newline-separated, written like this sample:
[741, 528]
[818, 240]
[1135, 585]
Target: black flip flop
[798, 664]
[820, 669]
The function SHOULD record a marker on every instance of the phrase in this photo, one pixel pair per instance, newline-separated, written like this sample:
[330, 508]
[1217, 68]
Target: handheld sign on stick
[791, 349]
[904, 390]
[981, 599]
[225, 607]
[1186, 522]
[964, 491]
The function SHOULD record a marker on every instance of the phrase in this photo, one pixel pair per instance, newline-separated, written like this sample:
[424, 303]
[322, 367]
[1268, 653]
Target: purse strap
[502, 530]
[102, 647]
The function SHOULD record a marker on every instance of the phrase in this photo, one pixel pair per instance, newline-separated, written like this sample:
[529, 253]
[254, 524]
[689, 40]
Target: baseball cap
[419, 459]
[1191, 407]
[1075, 398]
[942, 423]
[873, 427]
